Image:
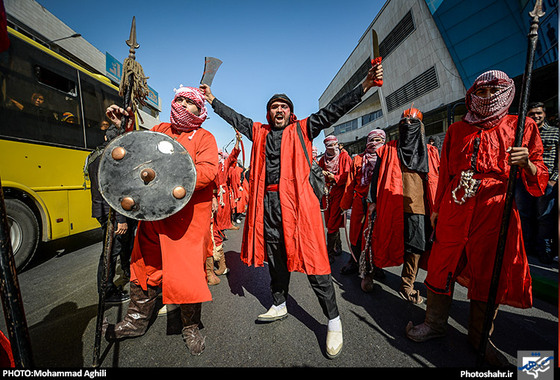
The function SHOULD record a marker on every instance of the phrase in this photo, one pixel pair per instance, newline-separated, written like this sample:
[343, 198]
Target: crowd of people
[409, 206]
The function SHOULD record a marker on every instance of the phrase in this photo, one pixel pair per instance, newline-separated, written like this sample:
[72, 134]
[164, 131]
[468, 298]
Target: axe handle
[374, 62]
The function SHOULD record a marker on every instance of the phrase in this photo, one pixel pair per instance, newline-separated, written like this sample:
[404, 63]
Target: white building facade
[417, 70]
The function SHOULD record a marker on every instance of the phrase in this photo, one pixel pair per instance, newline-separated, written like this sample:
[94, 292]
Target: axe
[211, 66]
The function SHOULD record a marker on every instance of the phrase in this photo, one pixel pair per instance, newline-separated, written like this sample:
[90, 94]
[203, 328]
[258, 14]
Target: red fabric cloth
[6, 356]
[234, 181]
[387, 239]
[334, 219]
[172, 252]
[304, 235]
[223, 217]
[239, 191]
[470, 231]
[354, 193]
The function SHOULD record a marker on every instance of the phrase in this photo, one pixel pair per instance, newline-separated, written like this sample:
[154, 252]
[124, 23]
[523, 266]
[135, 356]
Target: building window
[422, 84]
[371, 117]
[400, 32]
[356, 79]
[346, 127]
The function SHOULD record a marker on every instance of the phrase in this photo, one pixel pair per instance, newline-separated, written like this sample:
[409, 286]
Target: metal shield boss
[146, 175]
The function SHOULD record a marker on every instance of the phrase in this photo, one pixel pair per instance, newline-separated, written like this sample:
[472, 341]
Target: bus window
[41, 100]
[94, 113]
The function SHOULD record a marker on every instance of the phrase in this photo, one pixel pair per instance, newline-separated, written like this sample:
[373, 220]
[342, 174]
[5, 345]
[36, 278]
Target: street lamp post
[64, 38]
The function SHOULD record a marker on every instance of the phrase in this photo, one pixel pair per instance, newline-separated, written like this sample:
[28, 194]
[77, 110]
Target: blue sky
[292, 47]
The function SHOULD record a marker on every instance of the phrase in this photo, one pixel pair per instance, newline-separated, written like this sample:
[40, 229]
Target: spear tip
[537, 11]
[132, 39]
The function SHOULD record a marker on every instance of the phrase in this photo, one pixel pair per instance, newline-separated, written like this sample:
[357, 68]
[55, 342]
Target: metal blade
[211, 65]
[375, 43]
[132, 40]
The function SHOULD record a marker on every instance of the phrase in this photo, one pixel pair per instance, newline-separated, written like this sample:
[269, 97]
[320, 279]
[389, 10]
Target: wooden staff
[133, 89]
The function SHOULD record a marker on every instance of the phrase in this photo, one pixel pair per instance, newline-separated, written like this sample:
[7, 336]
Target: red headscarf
[370, 158]
[331, 158]
[181, 118]
[486, 112]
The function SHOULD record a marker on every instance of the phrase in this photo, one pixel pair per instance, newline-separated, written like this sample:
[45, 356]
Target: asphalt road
[60, 303]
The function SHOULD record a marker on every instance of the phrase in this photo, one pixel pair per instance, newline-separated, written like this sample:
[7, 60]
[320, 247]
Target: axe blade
[211, 66]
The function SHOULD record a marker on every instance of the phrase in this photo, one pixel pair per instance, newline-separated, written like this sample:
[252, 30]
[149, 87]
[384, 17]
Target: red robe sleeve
[206, 162]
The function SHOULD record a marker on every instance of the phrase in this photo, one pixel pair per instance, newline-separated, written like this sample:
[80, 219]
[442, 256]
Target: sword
[376, 56]
[535, 14]
[346, 234]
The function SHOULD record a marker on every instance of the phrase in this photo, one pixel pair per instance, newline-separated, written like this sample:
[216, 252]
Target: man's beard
[280, 124]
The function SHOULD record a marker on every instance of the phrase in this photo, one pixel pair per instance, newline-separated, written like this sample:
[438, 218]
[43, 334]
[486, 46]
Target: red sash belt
[273, 187]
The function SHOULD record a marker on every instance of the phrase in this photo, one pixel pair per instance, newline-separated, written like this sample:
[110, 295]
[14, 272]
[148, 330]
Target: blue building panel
[482, 35]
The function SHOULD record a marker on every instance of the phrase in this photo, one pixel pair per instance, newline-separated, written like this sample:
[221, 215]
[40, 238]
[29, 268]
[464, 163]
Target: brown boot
[210, 275]
[408, 276]
[190, 316]
[220, 258]
[435, 322]
[138, 315]
[492, 356]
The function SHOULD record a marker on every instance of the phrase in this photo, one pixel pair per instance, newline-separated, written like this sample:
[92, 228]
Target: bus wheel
[24, 231]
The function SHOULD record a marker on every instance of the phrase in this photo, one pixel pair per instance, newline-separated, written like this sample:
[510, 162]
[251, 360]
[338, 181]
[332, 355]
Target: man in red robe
[171, 253]
[336, 164]
[222, 215]
[284, 223]
[238, 192]
[354, 199]
[401, 193]
[475, 163]
[355, 194]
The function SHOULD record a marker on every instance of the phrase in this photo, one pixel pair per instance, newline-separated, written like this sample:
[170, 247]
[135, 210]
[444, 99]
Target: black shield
[146, 175]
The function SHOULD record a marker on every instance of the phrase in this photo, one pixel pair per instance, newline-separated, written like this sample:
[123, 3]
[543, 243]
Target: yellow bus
[51, 111]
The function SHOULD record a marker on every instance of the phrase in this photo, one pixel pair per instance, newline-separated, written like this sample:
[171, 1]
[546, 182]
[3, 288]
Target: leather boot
[435, 322]
[138, 315]
[190, 317]
[408, 276]
[210, 275]
[493, 356]
[220, 258]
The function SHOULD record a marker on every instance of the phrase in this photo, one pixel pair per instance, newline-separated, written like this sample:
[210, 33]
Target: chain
[468, 184]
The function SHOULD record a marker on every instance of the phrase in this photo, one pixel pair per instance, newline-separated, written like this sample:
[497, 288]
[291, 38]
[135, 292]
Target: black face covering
[411, 146]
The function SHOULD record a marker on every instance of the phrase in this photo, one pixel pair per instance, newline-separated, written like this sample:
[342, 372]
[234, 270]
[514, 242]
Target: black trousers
[322, 285]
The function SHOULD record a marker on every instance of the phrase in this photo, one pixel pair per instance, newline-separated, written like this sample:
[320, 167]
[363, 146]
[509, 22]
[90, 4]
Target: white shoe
[274, 314]
[166, 309]
[334, 343]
